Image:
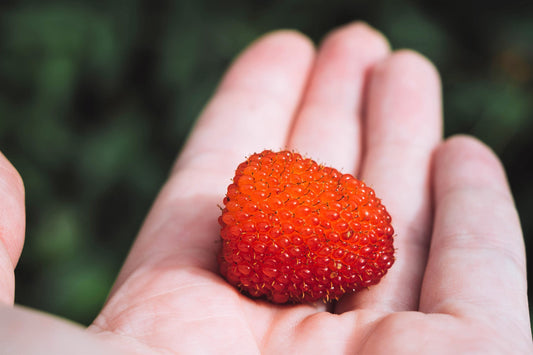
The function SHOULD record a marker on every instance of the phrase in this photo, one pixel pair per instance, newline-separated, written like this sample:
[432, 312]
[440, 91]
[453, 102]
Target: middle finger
[402, 128]
[327, 127]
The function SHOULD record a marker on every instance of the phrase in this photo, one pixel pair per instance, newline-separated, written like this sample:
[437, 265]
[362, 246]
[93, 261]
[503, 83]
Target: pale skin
[459, 281]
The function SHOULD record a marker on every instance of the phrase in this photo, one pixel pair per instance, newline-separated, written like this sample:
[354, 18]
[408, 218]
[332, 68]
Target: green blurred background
[97, 97]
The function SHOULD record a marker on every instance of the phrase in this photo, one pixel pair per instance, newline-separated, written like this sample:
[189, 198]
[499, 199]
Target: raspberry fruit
[296, 231]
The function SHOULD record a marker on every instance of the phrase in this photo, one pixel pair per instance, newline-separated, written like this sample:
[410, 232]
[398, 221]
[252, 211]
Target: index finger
[251, 110]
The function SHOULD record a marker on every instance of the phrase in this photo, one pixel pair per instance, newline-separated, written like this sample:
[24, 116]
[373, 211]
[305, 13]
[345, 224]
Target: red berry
[296, 231]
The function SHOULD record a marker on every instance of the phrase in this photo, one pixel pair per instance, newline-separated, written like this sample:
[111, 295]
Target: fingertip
[12, 226]
[12, 175]
[271, 63]
[463, 159]
[279, 43]
[407, 55]
[358, 32]
[290, 37]
[405, 91]
[12, 210]
[411, 67]
[461, 143]
[284, 42]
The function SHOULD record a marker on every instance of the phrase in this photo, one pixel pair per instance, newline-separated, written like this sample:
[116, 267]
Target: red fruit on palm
[296, 231]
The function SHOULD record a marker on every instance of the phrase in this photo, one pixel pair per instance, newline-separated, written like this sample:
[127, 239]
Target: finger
[255, 103]
[26, 331]
[327, 128]
[476, 265]
[402, 127]
[251, 110]
[12, 226]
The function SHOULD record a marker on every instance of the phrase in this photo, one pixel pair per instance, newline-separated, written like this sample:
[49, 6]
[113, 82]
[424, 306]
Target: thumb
[12, 226]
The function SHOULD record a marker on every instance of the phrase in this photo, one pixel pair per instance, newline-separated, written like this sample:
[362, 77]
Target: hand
[459, 281]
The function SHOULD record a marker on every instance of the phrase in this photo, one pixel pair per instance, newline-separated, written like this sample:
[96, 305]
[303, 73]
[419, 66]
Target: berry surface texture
[295, 231]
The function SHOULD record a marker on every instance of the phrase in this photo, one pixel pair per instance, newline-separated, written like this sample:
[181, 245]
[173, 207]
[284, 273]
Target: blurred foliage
[97, 97]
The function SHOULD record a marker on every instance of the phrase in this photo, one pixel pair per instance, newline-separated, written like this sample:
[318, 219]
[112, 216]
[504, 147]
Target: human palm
[458, 283]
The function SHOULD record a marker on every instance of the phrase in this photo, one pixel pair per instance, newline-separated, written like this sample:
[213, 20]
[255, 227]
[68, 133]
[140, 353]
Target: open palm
[458, 284]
